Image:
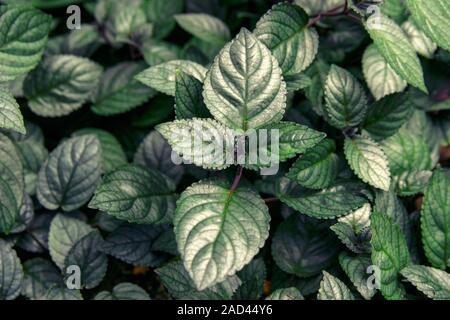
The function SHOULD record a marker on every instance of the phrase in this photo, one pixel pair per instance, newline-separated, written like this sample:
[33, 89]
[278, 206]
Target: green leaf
[356, 269]
[11, 184]
[284, 30]
[293, 139]
[433, 19]
[162, 77]
[119, 92]
[24, 35]
[155, 153]
[10, 116]
[203, 142]
[212, 224]
[112, 152]
[179, 284]
[406, 151]
[161, 14]
[44, 4]
[317, 168]
[395, 47]
[39, 276]
[252, 276]
[188, 98]
[11, 273]
[393, 8]
[303, 247]
[434, 283]
[421, 43]
[331, 288]
[61, 292]
[133, 244]
[69, 176]
[286, 294]
[60, 85]
[204, 26]
[238, 92]
[385, 117]
[86, 254]
[368, 161]
[390, 254]
[435, 222]
[380, 77]
[64, 234]
[136, 194]
[123, 291]
[346, 103]
[32, 155]
[337, 200]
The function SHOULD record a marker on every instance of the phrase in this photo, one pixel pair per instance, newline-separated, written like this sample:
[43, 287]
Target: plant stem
[269, 200]
[340, 10]
[237, 179]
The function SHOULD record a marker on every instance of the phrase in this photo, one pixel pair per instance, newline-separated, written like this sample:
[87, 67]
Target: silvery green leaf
[112, 152]
[394, 8]
[60, 85]
[204, 26]
[317, 168]
[385, 117]
[107, 222]
[39, 276]
[421, 43]
[244, 88]
[69, 176]
[123, 291]
[179, 284]
[355, 242]
[61, 292]
[303, 247]
[24, 36]
[434, 283]
[284, 30]
[91, 261]
[155, 153]
[297, 82]
[156, 52]
[314, 7]
[252, 276]
[286, 294]
[64, 233]
[10, 116]
[203, 142]
[410, 183]
[11, 273]
[368, 161]
[211, 227]
[26, 215]
[162, 77]
[394, 46]
[356, 269]
[188, 98]
[433, 18]
[127, 20]
[136, 194]
[334, 201]
[133, 244]
[118, 91]
[434, 220]
[390, 254]
[331, 288]
[380, 77]
[346, 103]
[359, 219]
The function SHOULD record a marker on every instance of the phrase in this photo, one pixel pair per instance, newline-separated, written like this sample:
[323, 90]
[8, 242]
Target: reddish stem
[269, 200]
[237, 179]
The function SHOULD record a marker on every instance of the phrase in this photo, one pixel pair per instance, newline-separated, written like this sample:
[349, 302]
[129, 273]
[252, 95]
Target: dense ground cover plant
[94, 206]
